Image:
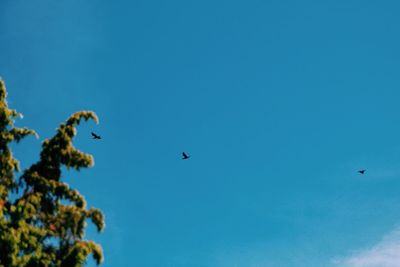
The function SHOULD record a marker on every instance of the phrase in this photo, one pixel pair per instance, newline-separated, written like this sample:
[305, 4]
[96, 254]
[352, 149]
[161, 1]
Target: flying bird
[361, 171]
[185, 156]
[95, 136]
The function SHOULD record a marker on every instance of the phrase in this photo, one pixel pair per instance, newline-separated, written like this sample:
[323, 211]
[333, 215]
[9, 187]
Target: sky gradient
[279, 103]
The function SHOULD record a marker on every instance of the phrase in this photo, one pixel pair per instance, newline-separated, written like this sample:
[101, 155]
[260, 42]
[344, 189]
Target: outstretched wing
[95, 136]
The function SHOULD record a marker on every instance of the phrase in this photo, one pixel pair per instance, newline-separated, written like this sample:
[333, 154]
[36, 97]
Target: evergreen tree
[43, 223]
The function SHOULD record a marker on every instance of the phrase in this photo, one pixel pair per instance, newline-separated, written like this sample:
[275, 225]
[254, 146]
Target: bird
[185, 156]
[361, 171]
[95, 136]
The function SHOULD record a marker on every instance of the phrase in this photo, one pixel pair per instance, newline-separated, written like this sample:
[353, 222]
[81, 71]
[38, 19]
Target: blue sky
[278, 102]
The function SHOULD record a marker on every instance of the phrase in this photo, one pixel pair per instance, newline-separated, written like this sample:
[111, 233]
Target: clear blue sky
[278, 102]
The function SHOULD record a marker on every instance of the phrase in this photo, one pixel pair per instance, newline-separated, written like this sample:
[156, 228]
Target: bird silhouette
[361, 171]
[95, 136]
[185, 156]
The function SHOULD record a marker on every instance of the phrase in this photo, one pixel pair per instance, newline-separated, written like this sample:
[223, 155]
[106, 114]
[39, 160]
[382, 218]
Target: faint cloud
[385, 253]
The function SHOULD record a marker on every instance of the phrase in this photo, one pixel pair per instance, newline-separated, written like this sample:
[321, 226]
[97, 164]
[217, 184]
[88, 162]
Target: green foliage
[44, 225]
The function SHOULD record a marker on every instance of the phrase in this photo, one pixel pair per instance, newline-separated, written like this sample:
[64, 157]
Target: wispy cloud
[385, 253]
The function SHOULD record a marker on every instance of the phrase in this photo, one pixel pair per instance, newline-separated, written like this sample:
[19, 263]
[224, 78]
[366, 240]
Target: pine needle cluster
[42, 219]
